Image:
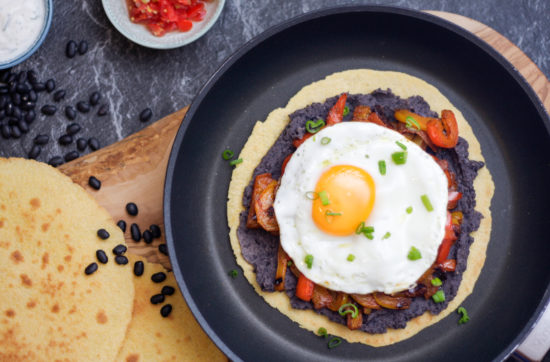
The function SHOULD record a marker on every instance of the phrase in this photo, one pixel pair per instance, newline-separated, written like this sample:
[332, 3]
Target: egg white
[380, 264]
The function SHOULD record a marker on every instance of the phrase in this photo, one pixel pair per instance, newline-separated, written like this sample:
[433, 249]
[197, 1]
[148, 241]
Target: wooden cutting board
[134, 169]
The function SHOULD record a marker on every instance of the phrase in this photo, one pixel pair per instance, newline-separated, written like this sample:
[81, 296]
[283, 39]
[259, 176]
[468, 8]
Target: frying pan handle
[537, 343]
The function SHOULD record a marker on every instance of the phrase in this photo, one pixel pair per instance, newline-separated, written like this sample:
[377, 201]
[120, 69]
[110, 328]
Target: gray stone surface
[131, 77]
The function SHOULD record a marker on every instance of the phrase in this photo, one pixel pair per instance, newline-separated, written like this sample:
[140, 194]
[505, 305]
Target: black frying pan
[504, 112]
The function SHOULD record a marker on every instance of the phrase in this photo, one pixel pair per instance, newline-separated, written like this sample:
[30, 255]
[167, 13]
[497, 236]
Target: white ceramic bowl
[117, 12]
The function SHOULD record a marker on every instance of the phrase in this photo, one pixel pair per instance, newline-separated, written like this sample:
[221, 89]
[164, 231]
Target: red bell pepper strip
[304, 288]
[336, 113]
[447, 242]
[443, 132]
[299, 141]
[448, 265]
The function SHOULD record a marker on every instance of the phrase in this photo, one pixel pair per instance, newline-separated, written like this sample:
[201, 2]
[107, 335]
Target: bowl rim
[38, 42]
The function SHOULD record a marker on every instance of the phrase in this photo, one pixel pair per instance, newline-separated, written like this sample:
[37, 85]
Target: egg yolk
[348, 194]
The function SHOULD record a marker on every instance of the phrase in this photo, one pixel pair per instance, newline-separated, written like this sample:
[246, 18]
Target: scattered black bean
[30, 116]
[147, 237]
[41, 139]
[50, 85]
[93, 143]
[157, 299]
[166, 310]
[83, 107]
[70, 112]
[94, 98]
[32, 96]
[73, 129]
[39, 87]
[49, 110]
[81, 144]
[6, 131]
[15, 132]
[59, 95]
[34, 152]
[90, 269]
[158, 277]
[121, 260]
[82, 47]
[101, 256]
[23, 126]
[103, 234]
[70, 50]
[145, 115]
[163, 249]
[72, 155]
[138, 268]
[103, 110]
[168, 290]
[94, 183]
[155, 229]
[120, 249]
[56, 161]
[131, 209]
[122, 225]
[135, 232]
[65, 140]
[32, 76]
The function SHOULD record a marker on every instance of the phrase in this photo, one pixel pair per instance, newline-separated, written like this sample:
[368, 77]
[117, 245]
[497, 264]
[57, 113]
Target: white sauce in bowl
[21, 22]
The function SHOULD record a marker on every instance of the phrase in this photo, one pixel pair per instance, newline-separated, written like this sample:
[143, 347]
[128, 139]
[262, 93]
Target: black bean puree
[259, 247]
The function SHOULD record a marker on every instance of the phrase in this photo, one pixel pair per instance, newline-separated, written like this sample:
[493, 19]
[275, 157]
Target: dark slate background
[131, 77]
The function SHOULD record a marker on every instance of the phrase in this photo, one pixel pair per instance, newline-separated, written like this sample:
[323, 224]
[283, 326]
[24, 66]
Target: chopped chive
[233, 273]
[359, 229]
[322, 331]
[426, 202]
[367, 156]
[351, 257]
[334, 342]
[409, 121]
[312, 195]
[368, 235]
[346, 111]
[439, 296]
[315, 126]
[325, 140]
[235, 162]
[401, 145]
[464, 318]
[414, 254]
[436, 282]
[330, 213]
[353, 311]
[382, 167]
[308, 260]
[227, 154]
[324, 198]
[289, 263]
[386, 235]
[400, 158]
[409, 209]
[368, 229]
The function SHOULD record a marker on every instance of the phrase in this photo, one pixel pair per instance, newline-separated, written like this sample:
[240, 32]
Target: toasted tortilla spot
[55, 308]
[35, 203]
[17, 257]
[45, 226]
[1, 223]
[26, 280]
[101, 317]
[60, 268]
[10, 313]
[45, 260]
[31, 304]
[134, 357]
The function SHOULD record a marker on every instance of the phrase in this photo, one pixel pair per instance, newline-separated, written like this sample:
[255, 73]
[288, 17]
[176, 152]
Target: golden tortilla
[266, 133]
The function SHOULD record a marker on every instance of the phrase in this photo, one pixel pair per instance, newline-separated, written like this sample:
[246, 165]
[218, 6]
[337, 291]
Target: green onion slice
[386, 235]
[409, 122]
[315, 126]
[343, 311]
[330, 213]
[400, 158]
[368, 229]
[334, 342]
[322, 331]
[426, 202]
[289, 263]
[308, 260]
[233, 273]
[324, 198]
[235, 162]
[401, 145]
[359, 229]
[414, 254]
[368, 235]
[351, 257]
[436, 282]
[227, 154]
[409, 209]
[439, 296]
[464, 318]
[312, 195]
[346, 111]
[325, 140]
[382, 167]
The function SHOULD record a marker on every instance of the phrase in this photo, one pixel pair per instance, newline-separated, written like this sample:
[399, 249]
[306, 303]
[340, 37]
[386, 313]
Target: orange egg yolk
[348, 193]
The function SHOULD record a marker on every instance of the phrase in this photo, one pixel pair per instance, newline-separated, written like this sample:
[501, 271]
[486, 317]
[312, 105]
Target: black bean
[32, 76]
[163, 249]
[34, 152]
[22, 88]
[3, 101]
[70, 49]
[49, 109]
[157, 299]
[120, 249]
[122, 225]
[27, 106]
[168, 290]
[158, 277]
[39, 87]
[94, 98]
[70, 112]
[50, 85]
[145, 115]
[166, 310]
[83, 107]
[56, 161]
[23, 126]
[65, 140]
[90, 269]
[2, 114]
[16, 98]
[9, 109]
[59, 95]
[94, 183]
[3, 89]
[30, 116]
[81, 144]
[22, 77]
[155, 229]
[16, 113]
[138, 268]
[93, 143]
[82, 47]
[12, 86]
[73, 129]
[101, 256]
[32, 96]
[12, 121]
[25, 98]
[103, 110]
[135, 232]
[131, 209]
[4, 76]
[41, 139]
[12, 77]
[15, 132]
[147, 237]
[103, 234]
[121, 260]
[72, 155]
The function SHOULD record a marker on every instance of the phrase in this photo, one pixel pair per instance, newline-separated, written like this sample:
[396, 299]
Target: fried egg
[354, 217]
